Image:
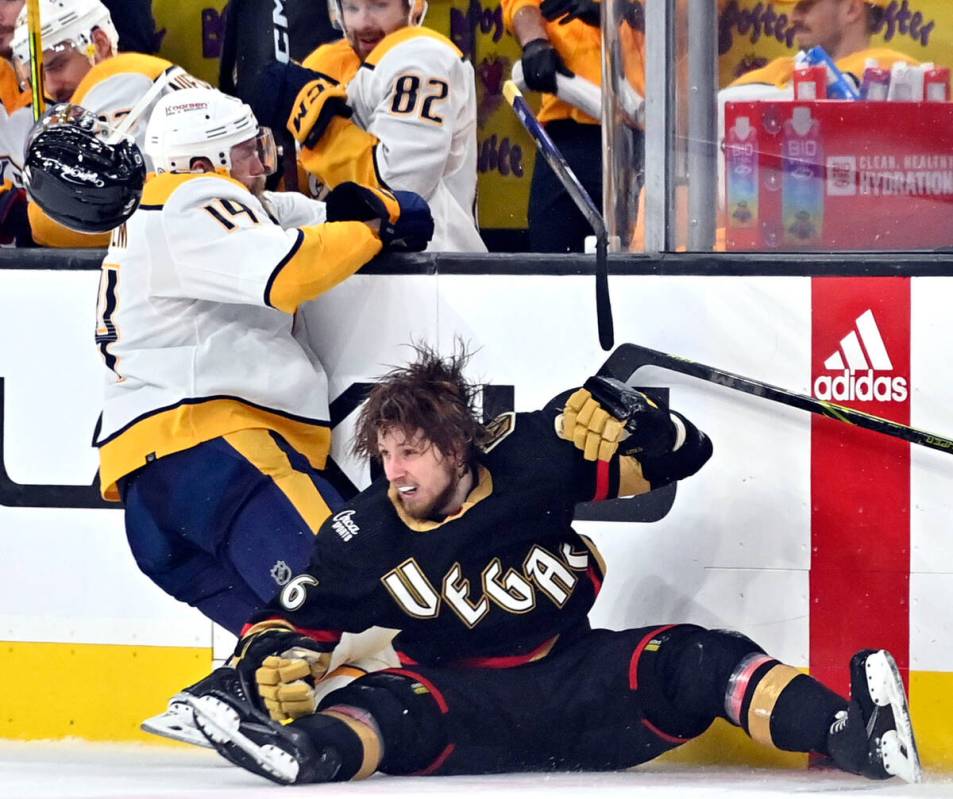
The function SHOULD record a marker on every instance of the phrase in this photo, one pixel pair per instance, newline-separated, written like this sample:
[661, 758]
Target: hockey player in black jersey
[467, 547]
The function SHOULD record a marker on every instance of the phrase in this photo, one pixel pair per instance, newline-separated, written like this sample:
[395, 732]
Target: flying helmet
[77, 175]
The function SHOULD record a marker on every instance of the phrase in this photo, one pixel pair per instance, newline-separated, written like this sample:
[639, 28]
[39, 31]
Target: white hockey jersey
[195, 319]
[14, 129]
[415, 94]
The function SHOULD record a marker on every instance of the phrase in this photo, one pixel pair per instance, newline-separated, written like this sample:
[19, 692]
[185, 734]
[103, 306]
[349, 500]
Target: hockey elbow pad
[302, 100]
[284, 667]
[692, 452]
[405, 219]
[607, 416]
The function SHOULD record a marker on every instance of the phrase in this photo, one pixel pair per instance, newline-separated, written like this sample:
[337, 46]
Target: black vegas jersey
[493, 585]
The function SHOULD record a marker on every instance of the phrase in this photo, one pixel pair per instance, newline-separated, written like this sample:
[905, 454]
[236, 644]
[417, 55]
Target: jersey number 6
[408, 96]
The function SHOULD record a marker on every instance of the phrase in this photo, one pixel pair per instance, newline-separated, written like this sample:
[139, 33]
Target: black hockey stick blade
[603, 303]
[549, 151]
[627, 358]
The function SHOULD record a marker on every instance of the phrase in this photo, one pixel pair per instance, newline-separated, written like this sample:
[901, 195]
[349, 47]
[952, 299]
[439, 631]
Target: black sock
[803, 714]
[327, 731]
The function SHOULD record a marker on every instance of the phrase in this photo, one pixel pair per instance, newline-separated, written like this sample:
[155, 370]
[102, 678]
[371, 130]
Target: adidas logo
[859, 357]
[840, 722]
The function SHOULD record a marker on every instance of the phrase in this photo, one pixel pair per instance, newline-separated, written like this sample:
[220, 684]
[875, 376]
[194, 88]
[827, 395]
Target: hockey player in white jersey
[82, 65]
[215, 425]
[406, 120]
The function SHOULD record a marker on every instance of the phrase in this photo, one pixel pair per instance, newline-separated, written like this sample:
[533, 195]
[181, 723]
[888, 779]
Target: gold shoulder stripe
[159, 188]
[337, 59]
[137, 63]
[391, 41]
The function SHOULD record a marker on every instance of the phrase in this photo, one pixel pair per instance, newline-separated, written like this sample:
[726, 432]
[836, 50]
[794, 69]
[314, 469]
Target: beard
[257, 186]
[434, 510]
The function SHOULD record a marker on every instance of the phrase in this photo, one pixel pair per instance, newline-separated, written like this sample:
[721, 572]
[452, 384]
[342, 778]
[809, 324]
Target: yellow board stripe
[931, 707]
[102, 692]
[261, 450]
[93, 691]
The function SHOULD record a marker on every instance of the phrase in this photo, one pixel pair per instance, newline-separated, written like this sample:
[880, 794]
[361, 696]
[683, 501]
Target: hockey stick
[130, 120]
[36, 57]
[583, 201]
[627, 358]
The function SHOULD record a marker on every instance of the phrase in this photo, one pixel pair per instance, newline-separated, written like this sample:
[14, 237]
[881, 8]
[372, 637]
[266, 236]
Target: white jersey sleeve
[292, 209]
[223, 244]
[14, 129]
[414, 101]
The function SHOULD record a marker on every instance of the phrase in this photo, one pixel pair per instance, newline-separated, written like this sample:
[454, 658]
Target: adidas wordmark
[860, 356]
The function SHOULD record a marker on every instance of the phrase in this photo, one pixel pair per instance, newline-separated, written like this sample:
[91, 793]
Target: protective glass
[257, 157]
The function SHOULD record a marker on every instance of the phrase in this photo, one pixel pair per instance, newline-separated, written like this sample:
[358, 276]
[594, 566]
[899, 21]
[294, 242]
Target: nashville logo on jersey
[858, 359]
[511, 590]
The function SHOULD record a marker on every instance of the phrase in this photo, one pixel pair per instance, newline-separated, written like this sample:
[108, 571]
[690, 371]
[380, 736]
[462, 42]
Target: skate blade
[900, 755]
[222, 724]
[176, 724]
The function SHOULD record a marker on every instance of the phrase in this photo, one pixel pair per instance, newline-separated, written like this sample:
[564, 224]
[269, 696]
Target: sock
[803, 714]
[356, 741]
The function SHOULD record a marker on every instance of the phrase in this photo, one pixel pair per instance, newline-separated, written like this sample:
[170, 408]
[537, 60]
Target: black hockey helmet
[77, 176]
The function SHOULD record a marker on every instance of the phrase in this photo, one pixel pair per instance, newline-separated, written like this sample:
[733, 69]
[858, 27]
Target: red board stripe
[860, 480]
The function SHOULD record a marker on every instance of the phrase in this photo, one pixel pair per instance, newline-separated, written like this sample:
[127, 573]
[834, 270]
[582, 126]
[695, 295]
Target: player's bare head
[839, 26]
[76, 34]
[429, 399]
[366, 22]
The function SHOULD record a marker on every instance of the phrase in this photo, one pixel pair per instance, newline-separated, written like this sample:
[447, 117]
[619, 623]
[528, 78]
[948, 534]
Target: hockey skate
[177, 722]
[874, 736]
[247, 737]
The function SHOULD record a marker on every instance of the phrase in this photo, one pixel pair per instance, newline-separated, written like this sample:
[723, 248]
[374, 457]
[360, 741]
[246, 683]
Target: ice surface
[81, 770]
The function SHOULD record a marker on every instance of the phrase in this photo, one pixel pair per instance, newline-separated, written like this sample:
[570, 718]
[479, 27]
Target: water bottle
[839, 86]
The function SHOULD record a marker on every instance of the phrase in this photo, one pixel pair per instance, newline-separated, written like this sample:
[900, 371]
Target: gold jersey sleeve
[336, 59]
[580, 47]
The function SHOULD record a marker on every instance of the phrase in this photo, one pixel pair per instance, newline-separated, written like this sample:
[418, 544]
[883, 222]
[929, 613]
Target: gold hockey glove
[606, 416]
[589, 427]
[286, 682]
[284, 667]
[304, 101]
